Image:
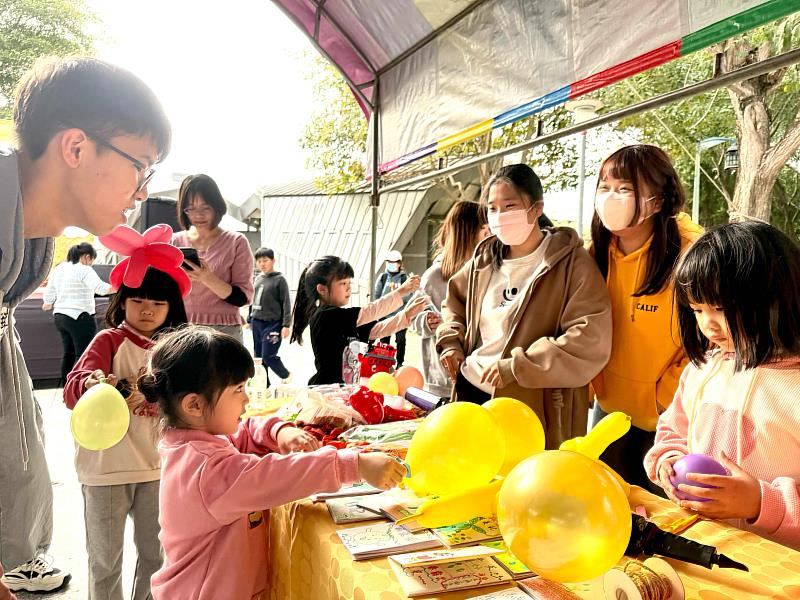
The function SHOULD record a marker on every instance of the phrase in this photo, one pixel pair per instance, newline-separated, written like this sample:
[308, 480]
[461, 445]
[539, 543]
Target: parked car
[39, 338]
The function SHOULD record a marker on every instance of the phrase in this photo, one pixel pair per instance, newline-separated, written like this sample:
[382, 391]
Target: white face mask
[616, 210]
[511, 227]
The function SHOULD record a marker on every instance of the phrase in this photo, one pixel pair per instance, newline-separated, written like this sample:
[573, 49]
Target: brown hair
[456, 239]
[59, 93]
[204, 187]
[647, 165]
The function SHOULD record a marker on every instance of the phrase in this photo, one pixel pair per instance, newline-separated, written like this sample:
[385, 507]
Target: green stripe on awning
[739, 23]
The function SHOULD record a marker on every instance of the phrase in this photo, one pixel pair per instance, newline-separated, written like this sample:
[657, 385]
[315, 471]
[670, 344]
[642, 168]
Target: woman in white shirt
[70, 293]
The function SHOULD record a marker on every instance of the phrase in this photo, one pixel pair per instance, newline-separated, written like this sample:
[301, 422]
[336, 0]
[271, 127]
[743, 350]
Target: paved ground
[68, 548]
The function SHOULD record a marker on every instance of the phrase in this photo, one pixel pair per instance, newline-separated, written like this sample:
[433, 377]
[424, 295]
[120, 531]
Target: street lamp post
[704, 144]
[584, 109]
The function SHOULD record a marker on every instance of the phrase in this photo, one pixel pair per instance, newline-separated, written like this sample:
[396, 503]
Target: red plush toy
[370, 405]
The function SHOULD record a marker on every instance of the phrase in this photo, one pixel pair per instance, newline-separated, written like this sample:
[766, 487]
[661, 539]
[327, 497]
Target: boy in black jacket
[270, 314]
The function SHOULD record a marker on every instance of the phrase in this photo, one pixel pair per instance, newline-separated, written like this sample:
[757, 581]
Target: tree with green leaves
[336, 134]
[30, 29]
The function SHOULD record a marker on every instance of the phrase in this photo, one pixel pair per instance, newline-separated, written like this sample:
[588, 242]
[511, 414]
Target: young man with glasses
[88, 134]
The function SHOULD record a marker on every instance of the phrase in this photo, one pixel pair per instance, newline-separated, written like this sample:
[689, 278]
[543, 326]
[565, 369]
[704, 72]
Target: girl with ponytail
[322, 295]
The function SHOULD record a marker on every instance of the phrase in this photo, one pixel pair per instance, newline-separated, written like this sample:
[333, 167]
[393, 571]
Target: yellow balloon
[564, 516]
[610, 428]
[383, 383]
[457, 447]
[441, 511]
[100, 419]
[523, 430]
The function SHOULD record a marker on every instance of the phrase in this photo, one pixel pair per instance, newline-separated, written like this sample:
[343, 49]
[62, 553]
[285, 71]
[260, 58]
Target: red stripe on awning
[628, 68]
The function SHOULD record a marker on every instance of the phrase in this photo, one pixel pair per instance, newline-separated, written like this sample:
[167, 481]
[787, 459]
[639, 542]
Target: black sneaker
[36, 575]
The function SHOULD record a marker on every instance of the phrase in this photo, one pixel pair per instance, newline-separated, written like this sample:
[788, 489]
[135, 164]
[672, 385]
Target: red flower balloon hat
[148, 249]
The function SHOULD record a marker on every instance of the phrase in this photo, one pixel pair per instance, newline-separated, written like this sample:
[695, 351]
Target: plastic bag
[314, 408]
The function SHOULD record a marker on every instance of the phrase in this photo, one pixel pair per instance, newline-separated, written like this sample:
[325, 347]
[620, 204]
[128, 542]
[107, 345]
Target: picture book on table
[352, 489]
[463, 575]
[438, 557]
[383, 539]
[348, 510]
[506, 559]
[474, 531]
[396, 504]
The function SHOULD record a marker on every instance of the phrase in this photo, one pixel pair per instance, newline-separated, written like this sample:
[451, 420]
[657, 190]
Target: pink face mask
[616, 210]
[511, 227]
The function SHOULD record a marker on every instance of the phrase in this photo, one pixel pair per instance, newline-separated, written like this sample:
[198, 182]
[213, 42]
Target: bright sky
[232, 79]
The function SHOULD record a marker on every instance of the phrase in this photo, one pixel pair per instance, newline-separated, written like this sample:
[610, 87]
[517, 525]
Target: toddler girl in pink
[220, 475]
[737, 293]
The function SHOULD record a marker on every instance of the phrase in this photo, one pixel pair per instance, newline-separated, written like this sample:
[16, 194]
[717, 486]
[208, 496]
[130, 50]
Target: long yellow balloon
[480, 501]
[608, 430]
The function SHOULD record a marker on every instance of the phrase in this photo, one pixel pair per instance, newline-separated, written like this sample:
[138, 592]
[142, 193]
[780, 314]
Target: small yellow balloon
[564, 516]
[457, 447]
[100, 419]
[523, 430]
[383, 383]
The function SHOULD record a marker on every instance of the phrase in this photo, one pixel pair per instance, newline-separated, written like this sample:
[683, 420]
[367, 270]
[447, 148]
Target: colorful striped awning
[443, 68]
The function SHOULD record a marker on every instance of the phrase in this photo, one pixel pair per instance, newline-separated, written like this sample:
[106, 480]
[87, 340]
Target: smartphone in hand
[190, 255]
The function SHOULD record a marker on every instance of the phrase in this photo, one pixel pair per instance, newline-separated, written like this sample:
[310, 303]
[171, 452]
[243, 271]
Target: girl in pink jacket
[738, 300]
[219, 475]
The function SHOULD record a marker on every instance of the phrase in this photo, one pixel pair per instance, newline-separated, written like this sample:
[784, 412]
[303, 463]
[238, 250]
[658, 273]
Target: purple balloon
[695, 463]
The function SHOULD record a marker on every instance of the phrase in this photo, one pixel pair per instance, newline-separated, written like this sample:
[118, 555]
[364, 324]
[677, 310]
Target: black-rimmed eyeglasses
[145, 173]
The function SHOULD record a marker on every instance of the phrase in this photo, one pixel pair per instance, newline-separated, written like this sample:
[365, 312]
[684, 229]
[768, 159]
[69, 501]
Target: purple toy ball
[695, 463]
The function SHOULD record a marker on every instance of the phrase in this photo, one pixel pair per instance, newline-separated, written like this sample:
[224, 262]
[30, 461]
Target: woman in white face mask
[528, 316]
[638, 233]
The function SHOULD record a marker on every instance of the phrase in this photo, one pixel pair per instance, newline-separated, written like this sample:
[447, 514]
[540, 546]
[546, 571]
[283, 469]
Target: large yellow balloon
[383, 383]
[457, 447]
[100, 419]
[564, 516]
[522, 428]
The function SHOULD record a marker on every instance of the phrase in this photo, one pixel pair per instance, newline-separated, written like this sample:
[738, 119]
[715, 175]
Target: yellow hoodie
[646, 361]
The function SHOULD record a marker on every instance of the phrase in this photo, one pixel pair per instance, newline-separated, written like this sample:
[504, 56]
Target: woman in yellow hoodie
[638, 233]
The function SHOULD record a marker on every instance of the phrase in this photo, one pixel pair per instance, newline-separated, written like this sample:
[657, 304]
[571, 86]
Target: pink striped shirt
[230, 259]
[753, 416]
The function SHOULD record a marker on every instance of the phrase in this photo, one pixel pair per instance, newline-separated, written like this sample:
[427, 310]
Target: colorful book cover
[347, 510]
[506, 559]
[474, 531]
[383, 539]
[462, 575]
[438, 557]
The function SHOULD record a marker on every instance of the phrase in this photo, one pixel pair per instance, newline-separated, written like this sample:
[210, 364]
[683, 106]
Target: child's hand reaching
[409, 285]
[292, 439]
[665, 475]
[98, 376]
[380, 470]
[735, 496]
[416, 306]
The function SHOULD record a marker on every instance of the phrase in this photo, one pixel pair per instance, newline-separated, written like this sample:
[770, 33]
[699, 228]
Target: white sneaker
[37, 575]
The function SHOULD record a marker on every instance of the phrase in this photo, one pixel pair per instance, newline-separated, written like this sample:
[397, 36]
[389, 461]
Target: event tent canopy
[438, 72]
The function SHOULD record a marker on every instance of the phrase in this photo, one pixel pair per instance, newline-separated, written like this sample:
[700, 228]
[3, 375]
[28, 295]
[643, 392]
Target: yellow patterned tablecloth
[308, 562]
